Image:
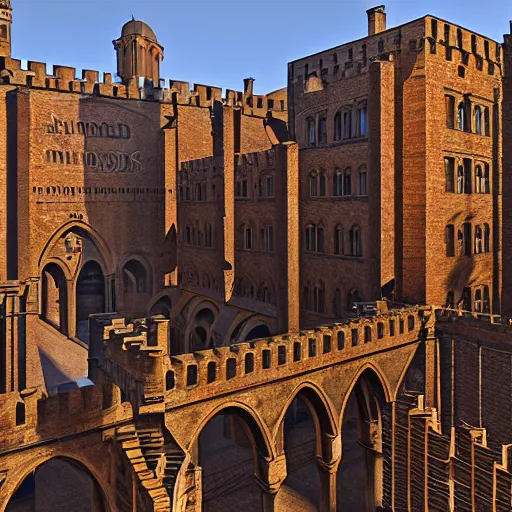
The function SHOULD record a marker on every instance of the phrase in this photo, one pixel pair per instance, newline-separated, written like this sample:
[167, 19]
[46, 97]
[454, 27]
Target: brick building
[379, 172]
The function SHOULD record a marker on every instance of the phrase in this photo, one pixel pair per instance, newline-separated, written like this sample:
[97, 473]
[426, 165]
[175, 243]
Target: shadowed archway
[90, 297]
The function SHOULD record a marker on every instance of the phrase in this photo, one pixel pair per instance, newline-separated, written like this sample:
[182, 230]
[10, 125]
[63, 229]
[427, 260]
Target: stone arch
[135, 284]
[103, 496]
[161, 305]
[200, 321]
[54, 296]
[365, 416]
[248, 328]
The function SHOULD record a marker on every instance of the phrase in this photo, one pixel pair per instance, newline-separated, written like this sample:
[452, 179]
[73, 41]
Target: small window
[462, 74]
[266, 359]
[479, 242]
[339, 241]
[350, 54]
[410, 322]
[341, 340]
[249, 362]
[474, 45]
[270, 104]
[259, 103]
[449, 171]
[487, 238]
[362, 182]
[487, 122]
[337, 126]
[486, 49]
[297, 351]
[450, 111]
[322, 130]
[169, 380]
[281, 355]
[230, 368]
[478, 120]
[327, 343]
[380, 330]
[490, 69]
[312, 347]
[355, 337]
[402, 327]
[347, 124]
[361, 121]
[391, 327]
[191, 374]
[459, 39]
[367, 334]
[20, 414]
[433, 24]
[310, 123]
[450, 240]
[356, 246]
[211, 372]
[380, 45]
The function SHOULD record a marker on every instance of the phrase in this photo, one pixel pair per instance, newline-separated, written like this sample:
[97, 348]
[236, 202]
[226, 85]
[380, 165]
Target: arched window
[319, 298]
[478, 120]
[188, 235]
[311, 132]
[305, 297]
[134, 277]
[450, 240]
[3, 31]
[356, 248]
[267, 238]
[486, 301]
[461, 113]
[242, 188]
[460, 180]
[347, 124]
[459, 38]
[361, 121]
[249, 242]
[320, 239]
[336, 303]
[322, 183]
[479, 184]
[199, 192]
[337, 126]
[362, 181]
[338, 240]
[486, 183]
[460, 242]
[449, 167]
[478, 301]
[322, 130]
[466, 236]
[208, 235]
[337, 183]
[450, 107]
[347, 182]
[264, 294]
[313, 184]
[487, 238]
[487, 122]
[311, 237]
[478, 240]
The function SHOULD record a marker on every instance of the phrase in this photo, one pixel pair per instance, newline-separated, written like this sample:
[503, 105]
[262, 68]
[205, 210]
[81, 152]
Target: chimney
[376, 19]
[248, 86]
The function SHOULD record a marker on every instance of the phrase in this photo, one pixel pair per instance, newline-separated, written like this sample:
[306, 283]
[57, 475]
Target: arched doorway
[200, 336]
[90, 297]
[228, 450]
[162, 306]
[55, 297]
[136, 287]
[58, 485]
[360, 473]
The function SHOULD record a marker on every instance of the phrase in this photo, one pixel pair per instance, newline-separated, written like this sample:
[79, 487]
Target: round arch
[104, 493]
[201, 318]
[54, 296]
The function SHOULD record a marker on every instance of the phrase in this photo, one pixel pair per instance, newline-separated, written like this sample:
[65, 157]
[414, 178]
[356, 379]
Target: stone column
[273, 474]
[328, 469]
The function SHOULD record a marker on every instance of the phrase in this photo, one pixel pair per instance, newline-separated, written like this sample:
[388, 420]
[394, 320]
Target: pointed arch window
[356, 247]
[313, 184]
[363, 191]
[478, 240]
[347, 182]
[337, 126]
[339, 240]
[478, 120]
[461, 116]
[479, 180]
[347, 124]
[319, 298]
[361, 121]
[311, 132]
[337, 183]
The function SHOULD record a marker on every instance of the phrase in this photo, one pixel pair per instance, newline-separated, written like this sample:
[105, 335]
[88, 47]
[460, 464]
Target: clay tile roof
[133, 27]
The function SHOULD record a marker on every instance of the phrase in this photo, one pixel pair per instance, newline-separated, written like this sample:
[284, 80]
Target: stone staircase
[155, 461]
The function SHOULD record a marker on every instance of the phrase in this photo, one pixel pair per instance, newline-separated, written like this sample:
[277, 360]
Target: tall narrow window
[337, 183]
[356, 248]
[322, 130]
[319, 298]
[460, 242]
[487, 122]
[478, 301]
[474, 45]
[310, 123]
[337, 126]
[338, 240]
[459, 38]
[460, 180]
[450, 111]
[249, 242]
[486, 183]
[347, 124]
[323, 185]
[467, 175]
[478, 120]
[313, 184]
[486, 49]
[362, 181]
[487, 238]
[320, 242]
[311, 237]
[361, 122]
[478, 240]
[449, 235]
[486, 305]
[467, 238]
[347, 182]
[479, 180]
[461, 114]
[449, 169]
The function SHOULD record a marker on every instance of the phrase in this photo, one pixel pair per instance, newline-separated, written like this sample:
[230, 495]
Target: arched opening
[300, 437]
[136, 288]
[360, 473]
[90, 297]
[162, 306]
[58, 484]
[199, 337]
[55, 297]
[258, 332]
[228, 451]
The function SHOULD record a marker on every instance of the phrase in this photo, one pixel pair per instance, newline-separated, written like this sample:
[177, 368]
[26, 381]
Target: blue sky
[219, 42]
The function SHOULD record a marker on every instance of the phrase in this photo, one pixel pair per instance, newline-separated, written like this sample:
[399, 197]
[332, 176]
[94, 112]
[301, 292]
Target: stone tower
[5, 28]
[138, 52]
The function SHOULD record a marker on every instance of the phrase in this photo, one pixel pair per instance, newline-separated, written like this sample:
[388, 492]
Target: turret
[138, 52]
[5, 28]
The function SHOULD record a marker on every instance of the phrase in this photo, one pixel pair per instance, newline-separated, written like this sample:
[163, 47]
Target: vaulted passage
[59, 485]
[90, 297]
[55, 297]
[228, 453]
[359, 478]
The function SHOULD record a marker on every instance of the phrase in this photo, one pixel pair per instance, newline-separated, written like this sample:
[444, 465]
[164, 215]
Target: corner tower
[138, 52]
[5, 28]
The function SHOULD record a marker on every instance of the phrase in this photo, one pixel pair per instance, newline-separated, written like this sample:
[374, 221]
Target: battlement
[64, 78]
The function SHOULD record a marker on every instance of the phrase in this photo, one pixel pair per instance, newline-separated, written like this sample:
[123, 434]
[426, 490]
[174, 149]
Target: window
[211, 372]
[350, 54]
[311, 238]
[322, 130]
[391, 327]
[267, 238]
[380, 330]
[486, 183]
[267, 186]
[486, 306]
[191, 374]
[465, 299]
[297, 351]
[311, 135]
[341, 340]
[188, 194]
[478, 240]
[320, 239]
[319, 298]
[461, 112]
[134, 277]
[478, 301]
[247, 236]
[460, 179]
[347, 182]
[20, 406]
[208, 235]
[466, 234]
[198, 192]
[347, 124]
[433, 25]
[169, 380]
[3, 31]
[380, 45]
[478, 179]
[447, 34]
[230, 368]
[410, 322]
[336, 303]
[361, 121]
[367, 334]
[327, 344]
[450, 240]
[449, 169]
[487, 238]
[487, 122]
[281, 355]
[355, 337]
[337, 183]
[362, 181]
[467, 175]
[474, 45]
[450, 108]
[266, 359]
[323, 183]
[339, 240]
[337, 126]
[478, 120]
[459, 38]
[486, 49]
[241, 188]
[249, 362]
[355, 241]
[312, 347]
[313, 184]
